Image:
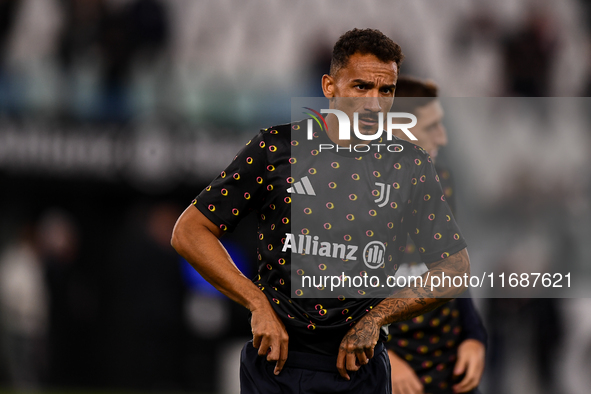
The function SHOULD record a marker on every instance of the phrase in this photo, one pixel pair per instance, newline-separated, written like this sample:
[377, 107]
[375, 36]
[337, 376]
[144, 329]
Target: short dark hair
[364, 41]
[416, 93]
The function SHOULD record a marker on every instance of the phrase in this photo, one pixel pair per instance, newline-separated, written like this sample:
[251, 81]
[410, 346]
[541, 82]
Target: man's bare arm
[357, 345]
[196, 239]
[412, 302]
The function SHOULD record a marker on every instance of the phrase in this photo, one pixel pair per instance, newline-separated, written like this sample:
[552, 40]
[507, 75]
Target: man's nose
[440, 137]
[372, 102]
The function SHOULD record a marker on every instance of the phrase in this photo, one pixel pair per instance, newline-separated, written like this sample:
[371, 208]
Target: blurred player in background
[443, 350]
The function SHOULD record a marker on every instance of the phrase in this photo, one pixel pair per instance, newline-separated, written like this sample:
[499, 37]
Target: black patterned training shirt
[333, 212]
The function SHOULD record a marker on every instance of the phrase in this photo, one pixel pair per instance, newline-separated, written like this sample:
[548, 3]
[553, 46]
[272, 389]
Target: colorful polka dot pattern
[344, 209]
[429, 341]
[429, 344]
[347, 186]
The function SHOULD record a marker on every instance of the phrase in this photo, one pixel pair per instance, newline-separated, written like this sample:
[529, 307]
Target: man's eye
[361, 87]
[387, 91]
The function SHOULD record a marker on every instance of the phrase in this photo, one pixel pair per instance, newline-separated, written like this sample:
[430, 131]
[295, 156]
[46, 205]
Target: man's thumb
[460, 367]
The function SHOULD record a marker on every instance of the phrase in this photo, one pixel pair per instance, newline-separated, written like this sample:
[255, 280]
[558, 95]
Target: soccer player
[335, 344]
[443, 350]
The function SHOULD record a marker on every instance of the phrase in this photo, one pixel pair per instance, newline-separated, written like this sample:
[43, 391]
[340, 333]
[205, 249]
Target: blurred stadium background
[114, 114]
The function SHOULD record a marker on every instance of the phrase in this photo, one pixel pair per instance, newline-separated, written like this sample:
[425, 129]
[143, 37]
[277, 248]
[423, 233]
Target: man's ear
[328, 86]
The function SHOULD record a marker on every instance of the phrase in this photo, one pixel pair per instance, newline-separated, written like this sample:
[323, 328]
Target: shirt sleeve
[472, 326]
[430, 223]
[238, 189]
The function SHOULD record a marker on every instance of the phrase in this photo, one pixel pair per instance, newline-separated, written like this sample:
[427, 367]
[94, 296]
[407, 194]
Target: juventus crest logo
[384, 195]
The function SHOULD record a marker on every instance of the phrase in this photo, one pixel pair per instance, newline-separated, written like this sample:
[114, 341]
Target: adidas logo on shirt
[302, 187]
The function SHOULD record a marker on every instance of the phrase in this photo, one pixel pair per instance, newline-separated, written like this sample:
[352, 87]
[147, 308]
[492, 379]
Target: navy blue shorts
[305, 373]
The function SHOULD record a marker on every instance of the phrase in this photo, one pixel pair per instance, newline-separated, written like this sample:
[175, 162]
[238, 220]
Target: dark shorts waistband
[319, 362]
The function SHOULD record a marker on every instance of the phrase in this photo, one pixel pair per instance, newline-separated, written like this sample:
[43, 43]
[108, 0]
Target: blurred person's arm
[196, 238]
[357, 347]
[404, 378]
[471, 355]
[472, 349]
[472, 326]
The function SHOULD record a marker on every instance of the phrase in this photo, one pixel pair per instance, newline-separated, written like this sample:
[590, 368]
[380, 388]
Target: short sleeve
[238, 189]
[429, 219]
[472, 327]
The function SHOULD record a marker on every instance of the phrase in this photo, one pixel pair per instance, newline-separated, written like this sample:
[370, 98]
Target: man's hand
[196, 239]
[357, 345]
[471, 361]
[269, 336]
[404, 378]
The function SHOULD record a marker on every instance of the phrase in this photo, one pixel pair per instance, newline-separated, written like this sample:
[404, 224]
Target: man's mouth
[368, 120]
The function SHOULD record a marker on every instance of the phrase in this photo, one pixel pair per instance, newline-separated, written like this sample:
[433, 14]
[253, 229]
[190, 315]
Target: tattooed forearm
[412, 302]
[358, 344]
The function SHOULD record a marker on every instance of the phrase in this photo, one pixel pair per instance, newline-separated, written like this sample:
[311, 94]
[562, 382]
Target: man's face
[430, 133]
[365, 85]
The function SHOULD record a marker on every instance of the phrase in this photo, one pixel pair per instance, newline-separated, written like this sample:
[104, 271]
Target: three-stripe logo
[302, 187]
